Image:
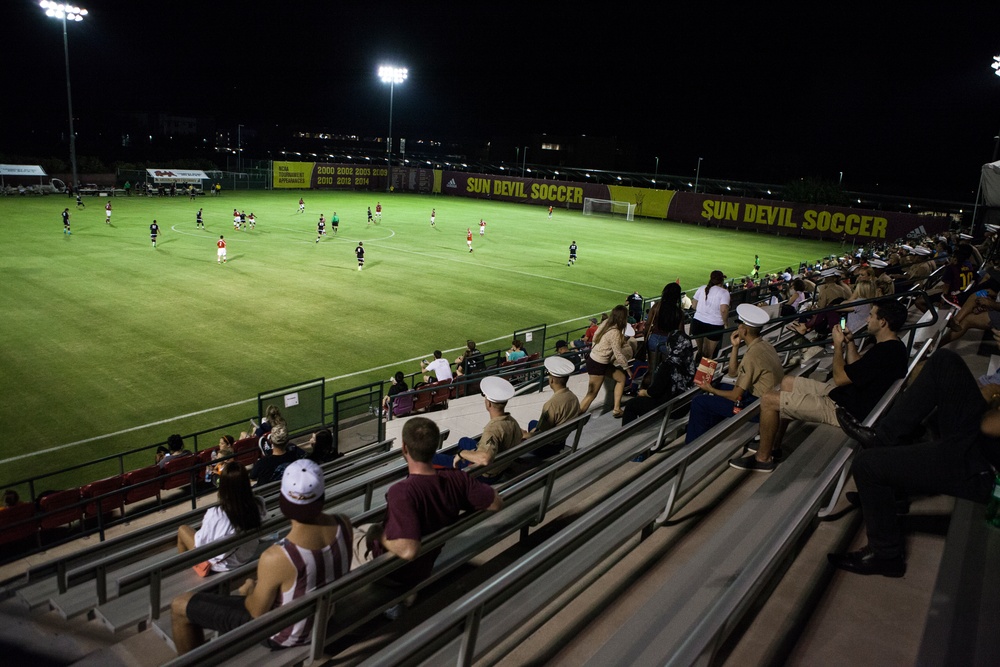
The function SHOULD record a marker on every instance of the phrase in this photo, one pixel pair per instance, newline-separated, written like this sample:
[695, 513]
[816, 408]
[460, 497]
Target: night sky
[900, 98]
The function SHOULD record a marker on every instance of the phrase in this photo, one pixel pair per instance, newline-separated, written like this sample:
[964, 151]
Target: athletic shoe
[751, 463]
[776, 454]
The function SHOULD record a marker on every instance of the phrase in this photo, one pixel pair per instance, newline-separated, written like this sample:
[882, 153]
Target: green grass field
[110, 344]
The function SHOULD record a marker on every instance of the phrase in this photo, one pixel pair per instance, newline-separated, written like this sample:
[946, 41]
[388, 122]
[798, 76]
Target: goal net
[608, 207]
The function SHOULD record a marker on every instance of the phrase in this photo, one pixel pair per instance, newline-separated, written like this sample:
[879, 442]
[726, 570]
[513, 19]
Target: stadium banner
[648, 203]
[796, 219]
[562, 194]
[177, 175]
[416, 179]
[329, 176]
[21, 170]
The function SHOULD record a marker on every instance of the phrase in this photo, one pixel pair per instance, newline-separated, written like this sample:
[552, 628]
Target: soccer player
[378, 212]
[198, 222]
[65, 217]
[252, 220]
[433, 215]
[360, 252]
[243, 219]
[221, 252]
[302, 205]
[236, 220]
[335, 222]
[320, 228]
[482, 227]
[572, 253]
[468, 238]
[154, 231]
[79, 201]
[107, 213]
[550, 212]
[370, 215]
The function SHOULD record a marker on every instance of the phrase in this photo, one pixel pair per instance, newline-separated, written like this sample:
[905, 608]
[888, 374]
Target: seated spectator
[516, 351]
[224, 451]
[960, 461]
[796, 297]
[471, 361]
[10, 499]
[270, 467]
[272, 418]
[397, 386]
[322, 447]
[239, 510]
[439, 368]
[427, 501]
[559, 409]
[858, 383]
[609, 356]
[174, 449]
[757, 373]
[316, 551]
[501, 433]
[563, 350]
[673, 375]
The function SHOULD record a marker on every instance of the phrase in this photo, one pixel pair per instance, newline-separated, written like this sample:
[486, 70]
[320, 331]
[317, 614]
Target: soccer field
[111, 344]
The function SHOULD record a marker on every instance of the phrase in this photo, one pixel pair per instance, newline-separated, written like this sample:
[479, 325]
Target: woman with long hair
[711, 304]
[609, 356]
[665, 317]
[238, 511]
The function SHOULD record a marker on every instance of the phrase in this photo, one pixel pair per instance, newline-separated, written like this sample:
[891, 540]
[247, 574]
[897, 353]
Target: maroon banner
[563, 194]
[794, 219]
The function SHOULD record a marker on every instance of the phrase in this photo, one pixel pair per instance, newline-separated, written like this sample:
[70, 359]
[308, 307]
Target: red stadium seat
[147, 483]
[247, 450]
[11, 528]
[440, 395]
[99, 488]
[422, 399]
[177, 472]
[60, 508]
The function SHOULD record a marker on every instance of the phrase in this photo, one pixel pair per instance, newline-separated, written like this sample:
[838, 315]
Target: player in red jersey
[468, 238]
[378, 212]
[107, 213]
[302, 205]
[221, 253]
[482, 227]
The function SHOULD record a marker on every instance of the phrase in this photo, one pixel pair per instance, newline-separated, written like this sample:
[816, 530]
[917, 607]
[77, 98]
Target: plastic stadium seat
[99, 488]
[60, 508]
[441, 394]
[422, 399]
[177, 472]
[147, 481]
[247, 451]
[9, 532]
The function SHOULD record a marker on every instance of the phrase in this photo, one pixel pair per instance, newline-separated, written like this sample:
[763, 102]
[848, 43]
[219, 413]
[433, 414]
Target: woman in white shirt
[711, 303]
[239, 510]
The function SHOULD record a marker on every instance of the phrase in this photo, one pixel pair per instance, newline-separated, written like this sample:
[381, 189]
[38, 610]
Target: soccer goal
[608, 207]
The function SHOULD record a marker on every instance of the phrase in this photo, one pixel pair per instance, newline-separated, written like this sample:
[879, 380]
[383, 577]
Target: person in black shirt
[65, 218]
[634, 303]
[154, 231]
[572, 250]
[360, 253]
[270, 468]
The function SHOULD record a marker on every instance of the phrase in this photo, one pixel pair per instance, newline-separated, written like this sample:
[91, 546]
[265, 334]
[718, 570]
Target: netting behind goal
[608, 207]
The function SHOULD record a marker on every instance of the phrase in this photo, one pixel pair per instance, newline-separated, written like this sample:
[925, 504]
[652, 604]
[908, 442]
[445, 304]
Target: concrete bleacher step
[258, 656]
[132, 609]
[82, 599]
[31, 638]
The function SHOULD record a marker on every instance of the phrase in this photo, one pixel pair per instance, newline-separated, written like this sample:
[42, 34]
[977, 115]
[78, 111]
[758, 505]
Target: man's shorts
[809, 401]
[218, 612]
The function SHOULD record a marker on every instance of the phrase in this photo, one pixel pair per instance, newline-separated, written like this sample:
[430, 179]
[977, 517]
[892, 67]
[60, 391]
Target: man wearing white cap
[831, 289]
[921, 264]
[884, 284]
[316, 551]
[501, 432]
[559, 409]
[757, 373]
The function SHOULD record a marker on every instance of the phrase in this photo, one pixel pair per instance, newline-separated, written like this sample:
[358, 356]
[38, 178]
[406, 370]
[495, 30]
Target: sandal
[618, 414]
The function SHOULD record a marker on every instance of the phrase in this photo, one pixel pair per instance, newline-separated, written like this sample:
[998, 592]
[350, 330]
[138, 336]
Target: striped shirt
[314, 568]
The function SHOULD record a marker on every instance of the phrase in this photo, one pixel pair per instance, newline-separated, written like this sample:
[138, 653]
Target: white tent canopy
[990, 183]
[22, 170]
[177, 175]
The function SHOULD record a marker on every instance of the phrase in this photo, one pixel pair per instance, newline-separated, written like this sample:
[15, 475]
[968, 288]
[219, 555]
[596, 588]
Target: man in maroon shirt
[423, 503]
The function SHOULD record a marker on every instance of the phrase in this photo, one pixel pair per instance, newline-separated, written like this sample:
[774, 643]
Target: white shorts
[222, 252]
[107, 213]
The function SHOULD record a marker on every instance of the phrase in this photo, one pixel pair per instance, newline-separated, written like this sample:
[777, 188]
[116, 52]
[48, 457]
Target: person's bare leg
[185, 539]
[619, 378]
[593, 386]
[187, 635]
[770, 424]
[709, 348]
[973, 321]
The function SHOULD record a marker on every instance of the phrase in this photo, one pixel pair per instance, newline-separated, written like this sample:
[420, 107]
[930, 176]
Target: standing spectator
[665, 323]
[128, 189]
[634, 303]
[711, 309]
[316, 551]
[239, 510]
[439, 368]
[609, 356]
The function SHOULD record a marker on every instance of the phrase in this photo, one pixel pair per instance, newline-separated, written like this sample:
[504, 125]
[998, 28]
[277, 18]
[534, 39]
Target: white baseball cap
[303, 490]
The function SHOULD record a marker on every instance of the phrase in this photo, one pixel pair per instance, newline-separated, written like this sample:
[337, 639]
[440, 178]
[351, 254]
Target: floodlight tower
[996, 70]
[65, 13]
[391, 75]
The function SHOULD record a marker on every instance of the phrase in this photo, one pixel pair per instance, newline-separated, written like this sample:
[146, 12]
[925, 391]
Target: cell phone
[983, 292]
[843, 322]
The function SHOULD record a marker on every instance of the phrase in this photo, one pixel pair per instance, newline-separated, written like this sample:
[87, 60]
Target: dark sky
[900, 98]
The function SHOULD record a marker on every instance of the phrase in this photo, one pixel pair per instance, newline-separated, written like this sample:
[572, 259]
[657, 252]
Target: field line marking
[251, 400]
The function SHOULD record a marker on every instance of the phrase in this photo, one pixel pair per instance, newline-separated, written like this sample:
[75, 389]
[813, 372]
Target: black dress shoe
[864, 561]
[902, 504]
[852, 427]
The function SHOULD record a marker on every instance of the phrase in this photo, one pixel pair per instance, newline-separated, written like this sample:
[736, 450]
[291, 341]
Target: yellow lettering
[878, 227]
[750, 213]
[809, 219]
[851, 224]
[837, 223]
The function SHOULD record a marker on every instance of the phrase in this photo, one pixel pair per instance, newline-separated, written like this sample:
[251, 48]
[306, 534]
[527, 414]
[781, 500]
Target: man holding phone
[857, 384]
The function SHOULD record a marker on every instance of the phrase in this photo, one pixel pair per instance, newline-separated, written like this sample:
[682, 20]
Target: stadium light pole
[996, 70]
[697, 174]
[67, 13]
[391, 75]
